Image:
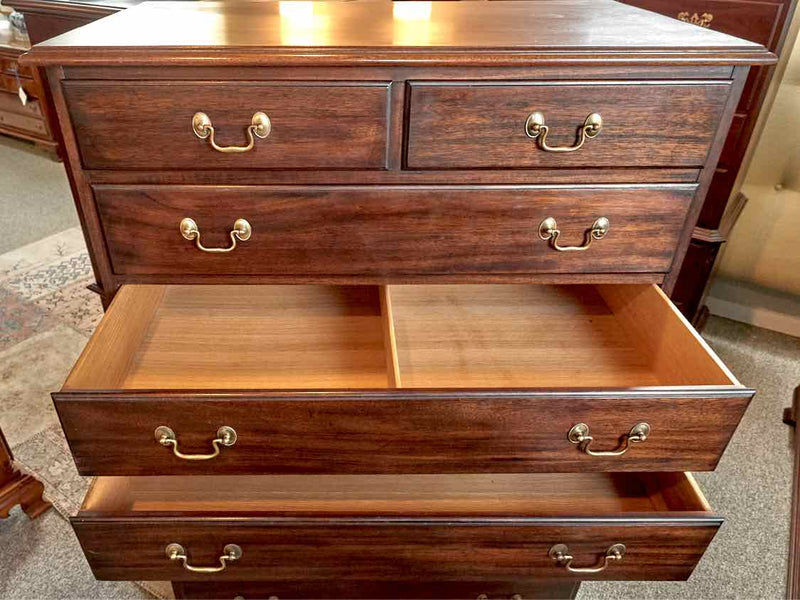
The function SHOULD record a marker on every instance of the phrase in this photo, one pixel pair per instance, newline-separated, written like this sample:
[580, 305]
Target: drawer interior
[528, 494]
[366, 337]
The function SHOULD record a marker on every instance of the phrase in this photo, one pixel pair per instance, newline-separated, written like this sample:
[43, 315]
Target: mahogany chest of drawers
[387, 315]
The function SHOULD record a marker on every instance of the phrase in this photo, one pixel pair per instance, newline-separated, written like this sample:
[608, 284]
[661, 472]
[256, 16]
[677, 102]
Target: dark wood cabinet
[385, 307]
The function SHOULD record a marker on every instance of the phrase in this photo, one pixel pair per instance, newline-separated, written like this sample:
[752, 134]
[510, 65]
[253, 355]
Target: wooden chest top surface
[379, 32]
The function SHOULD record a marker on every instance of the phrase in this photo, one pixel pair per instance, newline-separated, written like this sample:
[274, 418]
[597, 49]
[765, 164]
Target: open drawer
[400, 379]
[372, 528]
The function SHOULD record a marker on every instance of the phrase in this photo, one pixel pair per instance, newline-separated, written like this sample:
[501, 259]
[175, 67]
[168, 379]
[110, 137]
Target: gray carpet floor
[41, 559]
[31, 212]
[751, 487]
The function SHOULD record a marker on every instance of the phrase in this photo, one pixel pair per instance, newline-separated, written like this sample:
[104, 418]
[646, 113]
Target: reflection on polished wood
[371, 30]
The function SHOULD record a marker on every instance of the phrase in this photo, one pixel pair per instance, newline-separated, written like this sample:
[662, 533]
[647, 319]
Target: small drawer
[201, 380]
[151, 125]
[384, 528]
[523, 125]
[392, 231]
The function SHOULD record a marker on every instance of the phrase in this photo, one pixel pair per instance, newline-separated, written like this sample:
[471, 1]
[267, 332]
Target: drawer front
[378, 231]
[148, 125]
[357, 589]
[276, 550]
[29, 124]
[644, 124]
[395, 432]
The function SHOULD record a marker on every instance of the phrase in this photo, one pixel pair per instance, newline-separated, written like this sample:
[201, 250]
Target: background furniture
[763, 21]
[44, 19]
[26, 121]
[16, 488]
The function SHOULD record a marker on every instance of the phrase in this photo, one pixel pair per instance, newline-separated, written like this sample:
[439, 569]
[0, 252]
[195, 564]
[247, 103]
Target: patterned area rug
[46, 317]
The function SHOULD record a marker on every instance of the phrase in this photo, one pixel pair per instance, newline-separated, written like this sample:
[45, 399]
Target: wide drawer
[399, 379]
[149, 125]
[392, 231]
[644, 124]
[396, 528]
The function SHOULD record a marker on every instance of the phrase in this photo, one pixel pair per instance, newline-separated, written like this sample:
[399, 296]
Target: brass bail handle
[537, 130]
[579, 434]
[230, 553]
[560, 554]
[226, 436]
[549, 231]
[260, 127]
[242, 230]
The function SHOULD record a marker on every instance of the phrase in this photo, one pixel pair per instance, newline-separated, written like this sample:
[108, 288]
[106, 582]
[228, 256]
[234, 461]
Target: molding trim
[756, 306]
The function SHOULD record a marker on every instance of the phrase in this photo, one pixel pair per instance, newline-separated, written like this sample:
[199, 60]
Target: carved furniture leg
[16, 488]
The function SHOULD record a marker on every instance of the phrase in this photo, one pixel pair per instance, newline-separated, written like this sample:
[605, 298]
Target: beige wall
[764, 246]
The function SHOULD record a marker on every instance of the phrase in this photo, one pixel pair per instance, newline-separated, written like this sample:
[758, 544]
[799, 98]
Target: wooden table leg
[17, 488]
[790, 416]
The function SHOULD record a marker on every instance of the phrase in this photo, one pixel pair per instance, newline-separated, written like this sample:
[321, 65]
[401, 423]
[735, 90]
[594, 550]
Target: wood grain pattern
[397, 177]
[248, 337]
[482, 125]
[657, 550]
[391, 497]
[320, 528]
[397, 431]
[357, 33]
[314, 125]
[111, 352]
[674, 349]
[530, 336]
[390, 231]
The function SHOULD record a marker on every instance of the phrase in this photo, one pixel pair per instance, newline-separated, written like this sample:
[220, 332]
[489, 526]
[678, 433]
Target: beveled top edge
[377, 32]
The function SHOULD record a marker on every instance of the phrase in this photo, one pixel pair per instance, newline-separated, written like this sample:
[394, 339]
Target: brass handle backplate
[260, 127]
[230, 553]
[242, 230]
[560, 554]
[549, 231]
[579, 434]
[226, 436]
[537, 130]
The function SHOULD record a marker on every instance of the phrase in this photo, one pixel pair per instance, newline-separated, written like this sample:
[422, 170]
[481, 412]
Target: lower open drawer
[445, 528]
[397, 379]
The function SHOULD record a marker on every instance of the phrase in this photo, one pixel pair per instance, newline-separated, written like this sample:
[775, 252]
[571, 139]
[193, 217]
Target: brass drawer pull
[579, 434]
[226, 436]
[537, 130]
[241, 231]
[260, 127]
[549, 231]
[230, 553]
[560, 554]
